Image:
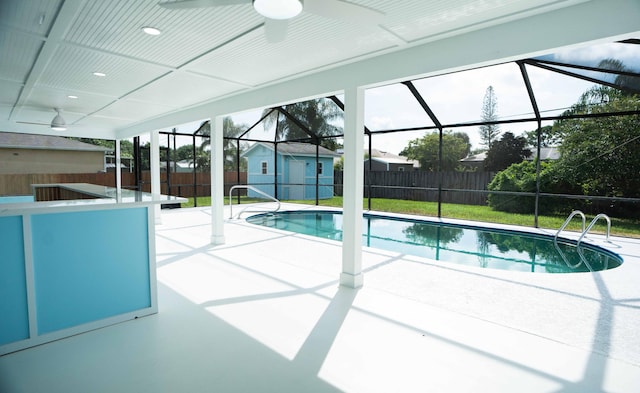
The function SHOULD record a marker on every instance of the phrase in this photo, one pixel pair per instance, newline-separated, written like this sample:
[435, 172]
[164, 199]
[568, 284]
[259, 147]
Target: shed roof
[45, 142]
[296, 149]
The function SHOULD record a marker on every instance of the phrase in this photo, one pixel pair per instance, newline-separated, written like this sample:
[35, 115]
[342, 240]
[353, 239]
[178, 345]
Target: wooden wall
[181, 183]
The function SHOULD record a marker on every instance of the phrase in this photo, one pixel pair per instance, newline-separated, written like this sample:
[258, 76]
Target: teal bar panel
[89, 266]
[14, 315]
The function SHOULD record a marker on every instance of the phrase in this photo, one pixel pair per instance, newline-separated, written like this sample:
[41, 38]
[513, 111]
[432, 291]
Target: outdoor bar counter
[81, 260]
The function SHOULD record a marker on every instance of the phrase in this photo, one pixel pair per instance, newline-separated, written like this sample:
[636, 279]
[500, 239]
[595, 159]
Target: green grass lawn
[619, 226]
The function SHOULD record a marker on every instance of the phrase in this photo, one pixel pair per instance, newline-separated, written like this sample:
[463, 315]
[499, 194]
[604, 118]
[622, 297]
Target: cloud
[380, 123]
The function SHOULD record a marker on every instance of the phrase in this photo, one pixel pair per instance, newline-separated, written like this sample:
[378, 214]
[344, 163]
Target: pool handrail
[593, 222]
[254, 189]
[568, 220]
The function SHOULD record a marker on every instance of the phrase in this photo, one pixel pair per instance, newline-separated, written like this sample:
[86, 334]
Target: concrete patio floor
[264, 313]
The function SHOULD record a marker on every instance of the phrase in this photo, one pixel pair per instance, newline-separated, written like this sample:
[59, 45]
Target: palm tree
[625, 82]
[315, 115]
[230, 145]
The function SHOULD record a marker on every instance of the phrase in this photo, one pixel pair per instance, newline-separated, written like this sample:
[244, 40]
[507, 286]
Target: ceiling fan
[57, 124]
[277, 12]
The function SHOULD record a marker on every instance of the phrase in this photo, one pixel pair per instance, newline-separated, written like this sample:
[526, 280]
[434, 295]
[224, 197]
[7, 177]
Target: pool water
[466, 245]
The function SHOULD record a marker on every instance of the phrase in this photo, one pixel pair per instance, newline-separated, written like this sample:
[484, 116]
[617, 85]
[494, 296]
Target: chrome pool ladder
[568, 220]
[593, 222]
[246, 209]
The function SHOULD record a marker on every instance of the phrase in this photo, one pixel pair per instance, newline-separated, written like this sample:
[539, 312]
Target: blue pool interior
[466, 245]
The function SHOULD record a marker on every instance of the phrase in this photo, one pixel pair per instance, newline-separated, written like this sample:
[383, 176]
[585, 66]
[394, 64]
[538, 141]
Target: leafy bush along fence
[457, 187]
[181, 183]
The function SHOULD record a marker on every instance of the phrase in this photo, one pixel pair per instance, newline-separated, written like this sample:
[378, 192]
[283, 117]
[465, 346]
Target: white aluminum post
[155, 171]
[353, 188]
[217, 181]
[117, 169]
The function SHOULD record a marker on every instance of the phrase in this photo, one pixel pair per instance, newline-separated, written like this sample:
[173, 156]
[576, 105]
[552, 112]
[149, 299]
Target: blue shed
[296, 170]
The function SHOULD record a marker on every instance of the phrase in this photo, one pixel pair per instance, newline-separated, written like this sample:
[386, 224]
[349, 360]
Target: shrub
[521, 177]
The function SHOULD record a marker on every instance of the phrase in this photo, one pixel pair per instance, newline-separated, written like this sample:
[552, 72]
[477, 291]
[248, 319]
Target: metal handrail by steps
[593, 222]
[566, 222]
[246, 209]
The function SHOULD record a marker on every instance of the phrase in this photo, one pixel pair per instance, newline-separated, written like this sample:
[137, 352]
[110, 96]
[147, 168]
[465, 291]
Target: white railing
[246, 209]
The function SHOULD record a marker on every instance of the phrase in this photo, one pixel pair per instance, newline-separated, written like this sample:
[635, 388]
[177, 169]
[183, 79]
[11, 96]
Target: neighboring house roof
[45, 142]
[390, 158]
[546, 153]
[480, 157]
[295, 149]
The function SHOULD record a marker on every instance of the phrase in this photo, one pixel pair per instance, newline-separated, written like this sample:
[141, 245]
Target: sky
[457, 98]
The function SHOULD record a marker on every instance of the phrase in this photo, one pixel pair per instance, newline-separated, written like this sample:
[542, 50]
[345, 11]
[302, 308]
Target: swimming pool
[466, 245]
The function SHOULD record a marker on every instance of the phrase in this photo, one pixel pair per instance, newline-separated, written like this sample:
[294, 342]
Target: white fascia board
[520, 38]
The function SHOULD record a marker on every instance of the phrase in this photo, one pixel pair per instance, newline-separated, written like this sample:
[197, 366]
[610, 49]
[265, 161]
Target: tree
[455, 146]
[522, 177]
[628, 84]
[317, 115]
[549, 136]
[600, 153]
[508, 150]
[489, 132]
[230, 146]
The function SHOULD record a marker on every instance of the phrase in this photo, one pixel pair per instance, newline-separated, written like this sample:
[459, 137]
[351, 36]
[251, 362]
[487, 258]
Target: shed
[294, 170]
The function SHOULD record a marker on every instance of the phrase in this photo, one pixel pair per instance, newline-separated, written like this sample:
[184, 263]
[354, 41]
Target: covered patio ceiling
[216, 60]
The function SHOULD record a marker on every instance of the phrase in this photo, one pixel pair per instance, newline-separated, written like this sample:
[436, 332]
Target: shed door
[296, 179]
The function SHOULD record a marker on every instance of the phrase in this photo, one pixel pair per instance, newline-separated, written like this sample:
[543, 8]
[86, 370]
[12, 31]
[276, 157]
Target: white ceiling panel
[131, 110]
[9, 92]
[72, 68]
[89, 122]
[184, 89]
[29, 16]
[115, 26]
[312, 42]
[416, 19]
[24, 50]
[5, 111]
[86, 102]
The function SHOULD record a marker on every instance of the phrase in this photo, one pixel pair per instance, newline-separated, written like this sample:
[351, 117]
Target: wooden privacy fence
[181, 183]
[414, 185]
[423, 186]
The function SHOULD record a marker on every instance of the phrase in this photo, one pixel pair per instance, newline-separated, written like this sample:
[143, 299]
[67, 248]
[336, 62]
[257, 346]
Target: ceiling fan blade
[33, 123]
[275, 30]
[347, 12]
[187, 4]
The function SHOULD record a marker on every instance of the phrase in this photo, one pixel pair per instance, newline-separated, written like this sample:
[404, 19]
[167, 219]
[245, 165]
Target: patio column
[353, 180]
[217, 180]
[117, 167]
[154, 163]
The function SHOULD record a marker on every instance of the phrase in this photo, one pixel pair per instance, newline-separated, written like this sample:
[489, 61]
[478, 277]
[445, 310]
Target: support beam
[154, 162]
[353, 187]
[217, 181]
[117, 167]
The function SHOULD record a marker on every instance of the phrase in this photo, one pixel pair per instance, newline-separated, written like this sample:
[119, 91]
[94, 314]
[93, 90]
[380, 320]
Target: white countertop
[105, 196]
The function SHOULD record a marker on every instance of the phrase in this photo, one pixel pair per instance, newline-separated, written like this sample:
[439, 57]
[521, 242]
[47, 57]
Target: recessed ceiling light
[99, 73]
[72, 97]
[151, 30]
